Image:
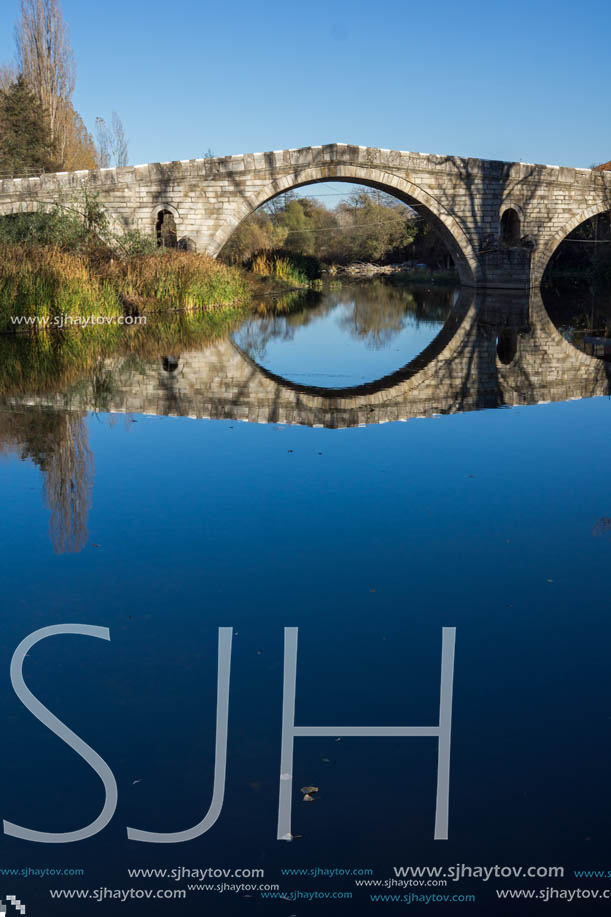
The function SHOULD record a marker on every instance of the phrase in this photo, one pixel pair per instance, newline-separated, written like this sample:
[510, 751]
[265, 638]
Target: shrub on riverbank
[291, 268]
[183, 280]
[45, 282]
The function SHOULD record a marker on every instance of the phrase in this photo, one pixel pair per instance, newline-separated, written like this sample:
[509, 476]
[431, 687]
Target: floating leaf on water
[308, 798]
[326, 760]
[309, 789]
[134, 782]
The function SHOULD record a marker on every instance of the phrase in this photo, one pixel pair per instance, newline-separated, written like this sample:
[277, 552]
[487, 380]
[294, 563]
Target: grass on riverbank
[289, 268]
[45, 282]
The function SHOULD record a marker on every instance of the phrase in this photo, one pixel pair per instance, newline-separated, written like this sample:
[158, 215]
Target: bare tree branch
[46, 60]
[111, 142]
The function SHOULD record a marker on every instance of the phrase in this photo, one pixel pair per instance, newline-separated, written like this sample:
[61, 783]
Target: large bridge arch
[544, 254]
[459, 245]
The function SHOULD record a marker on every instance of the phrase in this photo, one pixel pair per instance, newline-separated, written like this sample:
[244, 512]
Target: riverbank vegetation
[42, 282]
[291, 268]
[68, 261]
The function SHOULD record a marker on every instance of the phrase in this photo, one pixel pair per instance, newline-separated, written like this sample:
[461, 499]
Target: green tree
[25, 142]
[298, 225]
[376, 227]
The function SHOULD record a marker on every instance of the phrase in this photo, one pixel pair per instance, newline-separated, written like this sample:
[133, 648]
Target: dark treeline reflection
[57, 443]
[374, 313]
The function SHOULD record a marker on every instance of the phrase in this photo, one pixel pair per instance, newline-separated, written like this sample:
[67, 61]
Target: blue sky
[526, 80]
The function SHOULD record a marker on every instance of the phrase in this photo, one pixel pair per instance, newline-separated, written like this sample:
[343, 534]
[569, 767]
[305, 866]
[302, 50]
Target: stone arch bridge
[501, 221]
[496, 349]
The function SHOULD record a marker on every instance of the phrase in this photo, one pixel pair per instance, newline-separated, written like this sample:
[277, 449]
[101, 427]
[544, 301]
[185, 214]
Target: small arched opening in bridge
[165, 229]
[510, 228]
[507, 346]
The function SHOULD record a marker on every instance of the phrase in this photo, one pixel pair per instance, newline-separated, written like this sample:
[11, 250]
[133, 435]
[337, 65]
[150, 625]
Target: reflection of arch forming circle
[449, 339]
[542, 257]
[465, 258]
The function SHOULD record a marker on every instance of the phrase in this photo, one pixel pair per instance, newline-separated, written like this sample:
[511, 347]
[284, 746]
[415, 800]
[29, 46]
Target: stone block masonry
[467, 200]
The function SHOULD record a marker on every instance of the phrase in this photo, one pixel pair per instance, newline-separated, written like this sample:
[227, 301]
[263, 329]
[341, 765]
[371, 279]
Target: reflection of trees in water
[58, 443]
[374, 312]
[374, 322]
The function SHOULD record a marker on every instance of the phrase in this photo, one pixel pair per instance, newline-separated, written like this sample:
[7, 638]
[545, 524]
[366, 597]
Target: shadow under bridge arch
[444, 222]
[545, 253]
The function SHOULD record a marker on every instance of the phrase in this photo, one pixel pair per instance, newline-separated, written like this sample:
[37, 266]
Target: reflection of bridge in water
[494, 350]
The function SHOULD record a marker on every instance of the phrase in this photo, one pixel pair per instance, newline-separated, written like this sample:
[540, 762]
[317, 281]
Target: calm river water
[368, 465]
